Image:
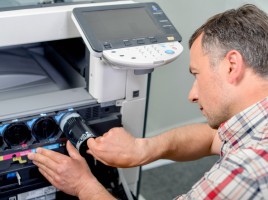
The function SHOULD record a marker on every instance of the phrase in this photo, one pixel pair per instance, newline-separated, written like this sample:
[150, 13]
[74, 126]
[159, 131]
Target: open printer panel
[30, 83]
[39, 82]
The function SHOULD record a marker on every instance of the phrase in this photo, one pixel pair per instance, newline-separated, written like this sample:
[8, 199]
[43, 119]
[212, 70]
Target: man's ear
[235, 67]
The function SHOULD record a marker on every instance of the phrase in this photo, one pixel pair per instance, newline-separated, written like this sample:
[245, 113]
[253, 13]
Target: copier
[90, 58]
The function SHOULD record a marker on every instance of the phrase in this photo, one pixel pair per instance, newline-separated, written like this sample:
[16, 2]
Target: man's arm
[118, 148]
[185, 143]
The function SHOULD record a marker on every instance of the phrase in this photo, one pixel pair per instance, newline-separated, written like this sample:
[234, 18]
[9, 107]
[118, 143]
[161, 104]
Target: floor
[168, 181]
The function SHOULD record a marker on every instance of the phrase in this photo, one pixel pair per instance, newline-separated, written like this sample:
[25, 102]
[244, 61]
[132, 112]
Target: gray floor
[166, 182]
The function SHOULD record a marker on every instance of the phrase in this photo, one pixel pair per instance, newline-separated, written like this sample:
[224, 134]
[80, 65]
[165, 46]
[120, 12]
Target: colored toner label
[26, 152]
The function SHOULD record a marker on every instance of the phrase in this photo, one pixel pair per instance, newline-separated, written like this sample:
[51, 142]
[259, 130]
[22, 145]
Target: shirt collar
[245, 127]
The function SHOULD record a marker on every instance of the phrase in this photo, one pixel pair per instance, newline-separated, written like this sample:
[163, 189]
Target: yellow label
[21, 161]
[170, 38]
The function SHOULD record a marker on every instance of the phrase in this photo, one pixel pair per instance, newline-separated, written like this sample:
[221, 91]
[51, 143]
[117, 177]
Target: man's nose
[193, 94]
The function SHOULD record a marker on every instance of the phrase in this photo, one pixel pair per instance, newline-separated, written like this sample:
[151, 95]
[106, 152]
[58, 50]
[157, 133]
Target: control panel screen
[121, 24]
[124, 25]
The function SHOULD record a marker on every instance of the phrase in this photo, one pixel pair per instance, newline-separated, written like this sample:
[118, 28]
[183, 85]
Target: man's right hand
[117, 148]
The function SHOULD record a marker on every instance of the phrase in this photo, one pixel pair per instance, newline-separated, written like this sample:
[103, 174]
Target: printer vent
[97, 112]
[90, 113]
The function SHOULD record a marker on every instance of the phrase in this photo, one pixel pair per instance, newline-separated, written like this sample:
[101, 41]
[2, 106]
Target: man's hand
[69, 174]
[117, 148]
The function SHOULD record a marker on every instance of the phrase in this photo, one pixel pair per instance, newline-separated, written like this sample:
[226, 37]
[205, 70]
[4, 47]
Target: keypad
[147, 56]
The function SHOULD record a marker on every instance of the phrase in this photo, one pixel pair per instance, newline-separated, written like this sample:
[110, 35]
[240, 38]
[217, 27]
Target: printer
[91, 58]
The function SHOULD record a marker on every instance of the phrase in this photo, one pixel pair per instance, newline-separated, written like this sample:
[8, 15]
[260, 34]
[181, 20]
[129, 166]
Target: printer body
[49, 67]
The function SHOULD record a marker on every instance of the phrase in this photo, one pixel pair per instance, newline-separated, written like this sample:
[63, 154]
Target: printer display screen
[111, 25]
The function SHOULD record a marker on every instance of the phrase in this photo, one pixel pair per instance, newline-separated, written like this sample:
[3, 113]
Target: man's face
[209, 88]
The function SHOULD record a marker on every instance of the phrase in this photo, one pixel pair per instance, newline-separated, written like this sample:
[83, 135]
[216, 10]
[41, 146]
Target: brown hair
[244, 29]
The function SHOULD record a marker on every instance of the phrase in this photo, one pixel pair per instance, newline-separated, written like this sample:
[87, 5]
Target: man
[229, 59]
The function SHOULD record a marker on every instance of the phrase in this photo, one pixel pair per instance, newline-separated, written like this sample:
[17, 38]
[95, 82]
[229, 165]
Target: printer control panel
[146, 56]
[144, 38]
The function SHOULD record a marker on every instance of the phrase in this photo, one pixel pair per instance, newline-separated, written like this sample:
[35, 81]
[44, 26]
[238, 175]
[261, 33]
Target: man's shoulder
[253, 161]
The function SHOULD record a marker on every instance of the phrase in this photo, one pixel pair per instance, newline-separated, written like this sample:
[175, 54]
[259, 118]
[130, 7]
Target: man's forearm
[180, 144]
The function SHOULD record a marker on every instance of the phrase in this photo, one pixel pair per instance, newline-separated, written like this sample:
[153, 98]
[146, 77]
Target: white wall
[169, 105]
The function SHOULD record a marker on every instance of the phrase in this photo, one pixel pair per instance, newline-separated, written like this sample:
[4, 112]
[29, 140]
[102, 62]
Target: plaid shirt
[242, 170]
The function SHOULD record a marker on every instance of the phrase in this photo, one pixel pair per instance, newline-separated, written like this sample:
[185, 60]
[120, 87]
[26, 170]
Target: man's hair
[244, 29]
